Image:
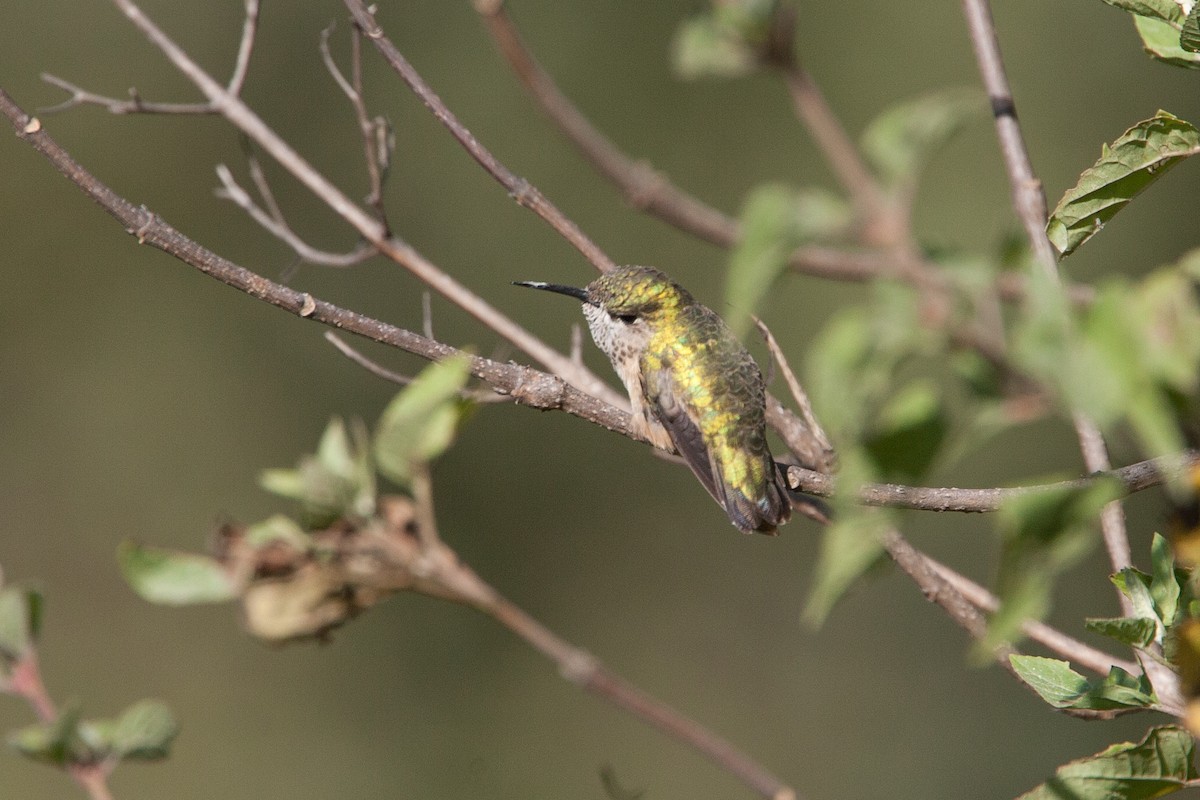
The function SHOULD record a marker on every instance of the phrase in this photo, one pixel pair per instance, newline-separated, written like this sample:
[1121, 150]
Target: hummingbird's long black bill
[570, 291]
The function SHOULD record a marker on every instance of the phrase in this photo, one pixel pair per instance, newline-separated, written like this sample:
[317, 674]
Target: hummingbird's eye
[628, 319]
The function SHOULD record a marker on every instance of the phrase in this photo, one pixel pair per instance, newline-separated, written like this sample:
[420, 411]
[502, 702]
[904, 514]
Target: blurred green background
[141, 399]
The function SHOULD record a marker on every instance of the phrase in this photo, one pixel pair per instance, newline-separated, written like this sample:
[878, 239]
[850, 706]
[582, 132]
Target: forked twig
[272, 221]
[136, 105]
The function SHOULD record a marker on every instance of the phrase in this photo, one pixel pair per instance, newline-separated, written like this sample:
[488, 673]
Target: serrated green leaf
[1133, 631]
[420, 423]
[1128, 166]
[1164, 585]
[1159, 764]
[1162, 40]
[173, 578]
[901, 140]
[277, 528]
[1063, 687]
[1189, 36]
[703, 47]
[1135, 584]
[57, 743]
[774, 222]
[144, 731]
[1167, 10]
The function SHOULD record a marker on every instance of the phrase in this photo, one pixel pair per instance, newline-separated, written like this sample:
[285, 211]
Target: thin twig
[376, 154]
[872, 205]
[427, 315]
[422, 492]
[523, 192]
[25, 681]
[581, 668]
[136, 105]
[483, 395]
[272, 221]
[800, 397]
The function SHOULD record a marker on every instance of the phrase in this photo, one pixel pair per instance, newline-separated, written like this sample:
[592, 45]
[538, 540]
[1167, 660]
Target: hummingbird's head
[627, 294]
[625, 307]
[637, 293]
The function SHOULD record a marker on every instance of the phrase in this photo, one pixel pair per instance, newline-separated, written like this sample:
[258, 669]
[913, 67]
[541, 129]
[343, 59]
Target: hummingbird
[693, 387]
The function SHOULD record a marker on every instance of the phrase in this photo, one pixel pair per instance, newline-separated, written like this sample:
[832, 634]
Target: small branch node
[307, 305]
[579, 667]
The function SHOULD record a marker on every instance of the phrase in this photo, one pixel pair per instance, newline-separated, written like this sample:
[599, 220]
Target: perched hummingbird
[692, 385]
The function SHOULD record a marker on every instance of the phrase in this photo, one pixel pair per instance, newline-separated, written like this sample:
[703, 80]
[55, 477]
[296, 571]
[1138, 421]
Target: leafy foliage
[1137, 158]
[420, 423]
[775, 221]
[1159, 764]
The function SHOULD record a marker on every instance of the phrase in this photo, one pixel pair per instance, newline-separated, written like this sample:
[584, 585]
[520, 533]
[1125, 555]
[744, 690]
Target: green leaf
[774, 222]
[420, 423]
[1135, 160]
[1045, 532]
[1167, 10]
[851, 545]
[278, 528]
[1063, 687]
[20, 621]
[909, 432]
[1159, 764]
[57, 743]
[703, 47]
[336, 482]
[144, 731]
[901, 140]
[1164, 585]
[730, 40]
[1133, 631]
[172, 578]
[1163, 41]
[1189, 37]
